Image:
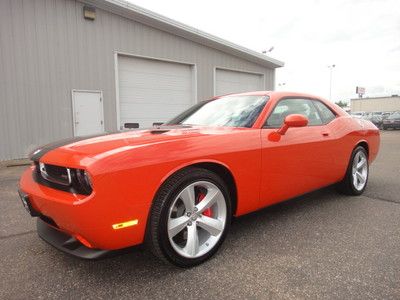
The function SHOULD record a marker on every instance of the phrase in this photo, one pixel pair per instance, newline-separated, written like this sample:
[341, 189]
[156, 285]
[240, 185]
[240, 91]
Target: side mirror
[294, 120]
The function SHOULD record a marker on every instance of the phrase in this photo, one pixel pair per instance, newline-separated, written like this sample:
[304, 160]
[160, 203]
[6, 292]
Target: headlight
[83, 182]
[63, 178]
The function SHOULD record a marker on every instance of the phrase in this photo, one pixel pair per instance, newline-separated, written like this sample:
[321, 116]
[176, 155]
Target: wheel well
[226, 176]
[364, 145]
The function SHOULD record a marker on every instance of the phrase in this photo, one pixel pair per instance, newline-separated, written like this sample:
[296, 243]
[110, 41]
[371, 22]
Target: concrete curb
[14, 163]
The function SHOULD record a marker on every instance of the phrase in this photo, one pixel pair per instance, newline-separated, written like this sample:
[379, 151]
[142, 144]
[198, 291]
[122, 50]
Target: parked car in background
[358, 114]
[393, 121]
[376, 118]
[386, 114]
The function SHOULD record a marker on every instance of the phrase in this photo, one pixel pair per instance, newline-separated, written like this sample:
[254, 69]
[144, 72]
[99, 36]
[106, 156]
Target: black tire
[346, 186]
[384, 127]
[157, 235]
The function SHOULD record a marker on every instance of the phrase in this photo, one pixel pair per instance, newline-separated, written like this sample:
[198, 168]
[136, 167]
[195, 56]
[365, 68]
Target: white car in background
[358, 114]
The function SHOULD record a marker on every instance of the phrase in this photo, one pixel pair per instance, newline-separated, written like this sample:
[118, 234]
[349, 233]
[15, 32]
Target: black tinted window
[326, 114]
[293, 106]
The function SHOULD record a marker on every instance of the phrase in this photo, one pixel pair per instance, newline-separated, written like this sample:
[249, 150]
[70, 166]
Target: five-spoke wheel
[190, 217]
[360, 170]
[355, 180]
[196, 219]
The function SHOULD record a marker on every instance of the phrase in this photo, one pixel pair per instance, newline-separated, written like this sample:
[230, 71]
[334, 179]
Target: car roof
[277, 94]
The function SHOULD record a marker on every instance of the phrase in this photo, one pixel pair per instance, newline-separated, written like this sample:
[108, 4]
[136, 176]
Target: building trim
[117, 106]
[152, 19]
[374, 98]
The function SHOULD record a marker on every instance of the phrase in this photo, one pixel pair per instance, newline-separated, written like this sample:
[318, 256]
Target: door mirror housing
[293, 120]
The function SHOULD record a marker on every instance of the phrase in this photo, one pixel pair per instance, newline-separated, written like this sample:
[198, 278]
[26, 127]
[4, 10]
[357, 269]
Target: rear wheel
[190, 217]
[355, 181]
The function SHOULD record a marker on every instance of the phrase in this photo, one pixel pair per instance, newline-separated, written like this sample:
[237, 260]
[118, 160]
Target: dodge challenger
[176, 187]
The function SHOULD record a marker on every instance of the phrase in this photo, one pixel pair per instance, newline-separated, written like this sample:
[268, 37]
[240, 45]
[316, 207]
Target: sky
[360, 37]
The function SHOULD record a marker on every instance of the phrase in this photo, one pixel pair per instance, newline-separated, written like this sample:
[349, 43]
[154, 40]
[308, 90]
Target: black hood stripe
[40, 152]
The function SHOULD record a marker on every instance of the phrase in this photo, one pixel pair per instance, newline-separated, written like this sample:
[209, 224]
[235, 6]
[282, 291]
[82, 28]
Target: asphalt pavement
[321, 245]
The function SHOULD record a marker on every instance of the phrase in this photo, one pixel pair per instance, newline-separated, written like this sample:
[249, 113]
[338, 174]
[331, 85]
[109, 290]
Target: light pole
[281, 84]
[330, 80]
[267, 50]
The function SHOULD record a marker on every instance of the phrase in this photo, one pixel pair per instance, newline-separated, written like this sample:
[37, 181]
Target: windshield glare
[231, 111]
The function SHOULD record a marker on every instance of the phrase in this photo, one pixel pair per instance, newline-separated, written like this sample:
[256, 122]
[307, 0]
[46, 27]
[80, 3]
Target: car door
[300, 160]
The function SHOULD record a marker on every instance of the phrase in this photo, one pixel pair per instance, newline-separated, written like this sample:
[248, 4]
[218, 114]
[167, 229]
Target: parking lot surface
[321, 245]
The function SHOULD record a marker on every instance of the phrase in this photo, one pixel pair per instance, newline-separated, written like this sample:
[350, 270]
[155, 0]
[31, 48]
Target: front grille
[56, 174]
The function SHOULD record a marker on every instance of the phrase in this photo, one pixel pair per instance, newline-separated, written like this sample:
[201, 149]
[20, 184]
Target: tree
[341, 103]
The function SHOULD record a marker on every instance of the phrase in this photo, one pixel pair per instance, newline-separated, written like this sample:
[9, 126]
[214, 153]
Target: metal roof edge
[150, 18]
[374, 98]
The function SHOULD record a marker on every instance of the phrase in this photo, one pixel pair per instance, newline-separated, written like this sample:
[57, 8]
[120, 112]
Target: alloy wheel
[360, 170]
[196, 219]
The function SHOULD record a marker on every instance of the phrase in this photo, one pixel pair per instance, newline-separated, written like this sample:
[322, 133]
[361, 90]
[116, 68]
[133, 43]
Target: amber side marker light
[125, 224]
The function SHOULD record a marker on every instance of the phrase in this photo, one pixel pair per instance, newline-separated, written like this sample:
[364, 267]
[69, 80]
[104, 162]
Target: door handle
[325, 133]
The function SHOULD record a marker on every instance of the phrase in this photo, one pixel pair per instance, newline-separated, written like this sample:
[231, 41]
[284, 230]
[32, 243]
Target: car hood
[100, 146]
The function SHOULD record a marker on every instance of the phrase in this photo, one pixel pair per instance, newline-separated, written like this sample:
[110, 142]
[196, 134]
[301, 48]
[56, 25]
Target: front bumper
[89, 218]
[67, 243]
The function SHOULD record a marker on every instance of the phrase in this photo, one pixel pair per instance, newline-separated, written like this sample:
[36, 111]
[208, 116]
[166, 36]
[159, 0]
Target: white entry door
[88, 113]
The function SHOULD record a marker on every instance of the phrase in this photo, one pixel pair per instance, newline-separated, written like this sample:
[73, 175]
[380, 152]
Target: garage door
[227, 81]
[153, 91]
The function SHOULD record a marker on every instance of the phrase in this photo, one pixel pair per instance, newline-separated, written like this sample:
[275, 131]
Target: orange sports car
[177, 186]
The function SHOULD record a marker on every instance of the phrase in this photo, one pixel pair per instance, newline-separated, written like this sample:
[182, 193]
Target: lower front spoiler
[67, 243]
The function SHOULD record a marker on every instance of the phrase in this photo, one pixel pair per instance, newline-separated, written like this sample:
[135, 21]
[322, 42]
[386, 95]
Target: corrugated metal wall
[47, 49]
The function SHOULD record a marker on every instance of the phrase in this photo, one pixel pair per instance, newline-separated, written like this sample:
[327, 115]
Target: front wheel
[356, 178]
[190, 217]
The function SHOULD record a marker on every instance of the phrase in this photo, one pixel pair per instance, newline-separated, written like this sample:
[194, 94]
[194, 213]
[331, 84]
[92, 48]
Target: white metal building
[376, 104]
[72, 67]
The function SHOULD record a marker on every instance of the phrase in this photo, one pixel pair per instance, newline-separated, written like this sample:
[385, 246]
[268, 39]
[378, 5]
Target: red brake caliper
[207, 212]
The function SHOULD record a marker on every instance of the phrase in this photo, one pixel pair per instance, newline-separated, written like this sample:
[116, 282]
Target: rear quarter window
[326, 113]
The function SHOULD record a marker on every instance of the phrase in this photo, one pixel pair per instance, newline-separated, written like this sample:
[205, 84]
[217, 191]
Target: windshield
[231, 111]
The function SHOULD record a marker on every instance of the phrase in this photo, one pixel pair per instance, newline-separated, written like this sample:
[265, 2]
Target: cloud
[395, 49]
[362, 37]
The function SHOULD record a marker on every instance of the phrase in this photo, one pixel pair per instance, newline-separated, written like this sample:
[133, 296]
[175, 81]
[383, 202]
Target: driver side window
[287, 107]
